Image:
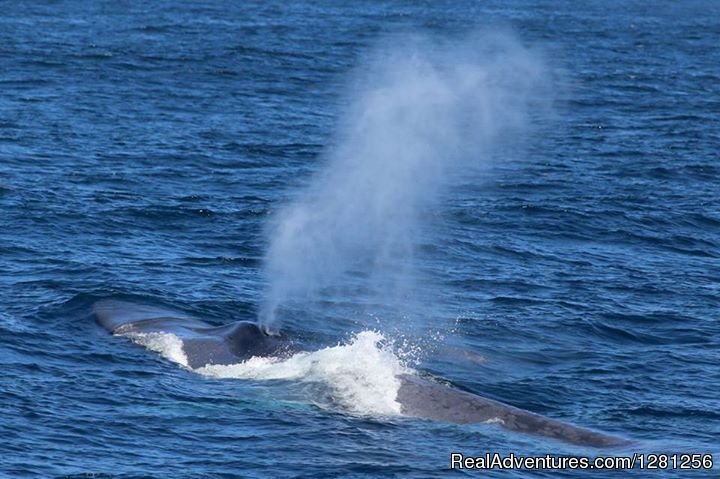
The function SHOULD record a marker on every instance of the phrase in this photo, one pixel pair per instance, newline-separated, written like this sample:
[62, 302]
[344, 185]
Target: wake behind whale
[365, 377]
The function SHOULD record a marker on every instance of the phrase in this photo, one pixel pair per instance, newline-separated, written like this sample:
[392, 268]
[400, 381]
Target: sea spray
[360, 376]
[167, 344]
[421, 112]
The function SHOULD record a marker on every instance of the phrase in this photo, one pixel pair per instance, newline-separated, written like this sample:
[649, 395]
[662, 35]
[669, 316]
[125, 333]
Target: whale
[203, 344]
[419, 397]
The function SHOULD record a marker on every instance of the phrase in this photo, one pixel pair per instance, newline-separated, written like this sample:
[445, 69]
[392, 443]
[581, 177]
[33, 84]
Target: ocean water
[532, 216]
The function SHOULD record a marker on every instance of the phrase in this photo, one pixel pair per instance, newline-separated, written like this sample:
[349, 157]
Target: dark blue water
[144, 149]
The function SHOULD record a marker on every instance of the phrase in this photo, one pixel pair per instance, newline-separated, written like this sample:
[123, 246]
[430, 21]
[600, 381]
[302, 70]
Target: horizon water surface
[519, 199]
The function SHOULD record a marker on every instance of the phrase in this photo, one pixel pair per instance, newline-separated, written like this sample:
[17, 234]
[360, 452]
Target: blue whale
[204, 344]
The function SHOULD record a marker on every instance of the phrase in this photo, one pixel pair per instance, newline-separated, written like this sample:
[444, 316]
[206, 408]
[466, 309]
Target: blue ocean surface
[519, 199]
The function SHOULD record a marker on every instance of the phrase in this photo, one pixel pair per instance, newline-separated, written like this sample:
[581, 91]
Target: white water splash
[362, 375]
[167, 345]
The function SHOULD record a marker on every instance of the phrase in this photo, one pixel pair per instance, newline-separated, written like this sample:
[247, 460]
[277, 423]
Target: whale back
[438, 402]
[202, 343]
[244, 340]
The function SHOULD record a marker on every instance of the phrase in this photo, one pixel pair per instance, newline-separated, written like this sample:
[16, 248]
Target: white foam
[494, 420]
[167, 344]
[362, 375]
